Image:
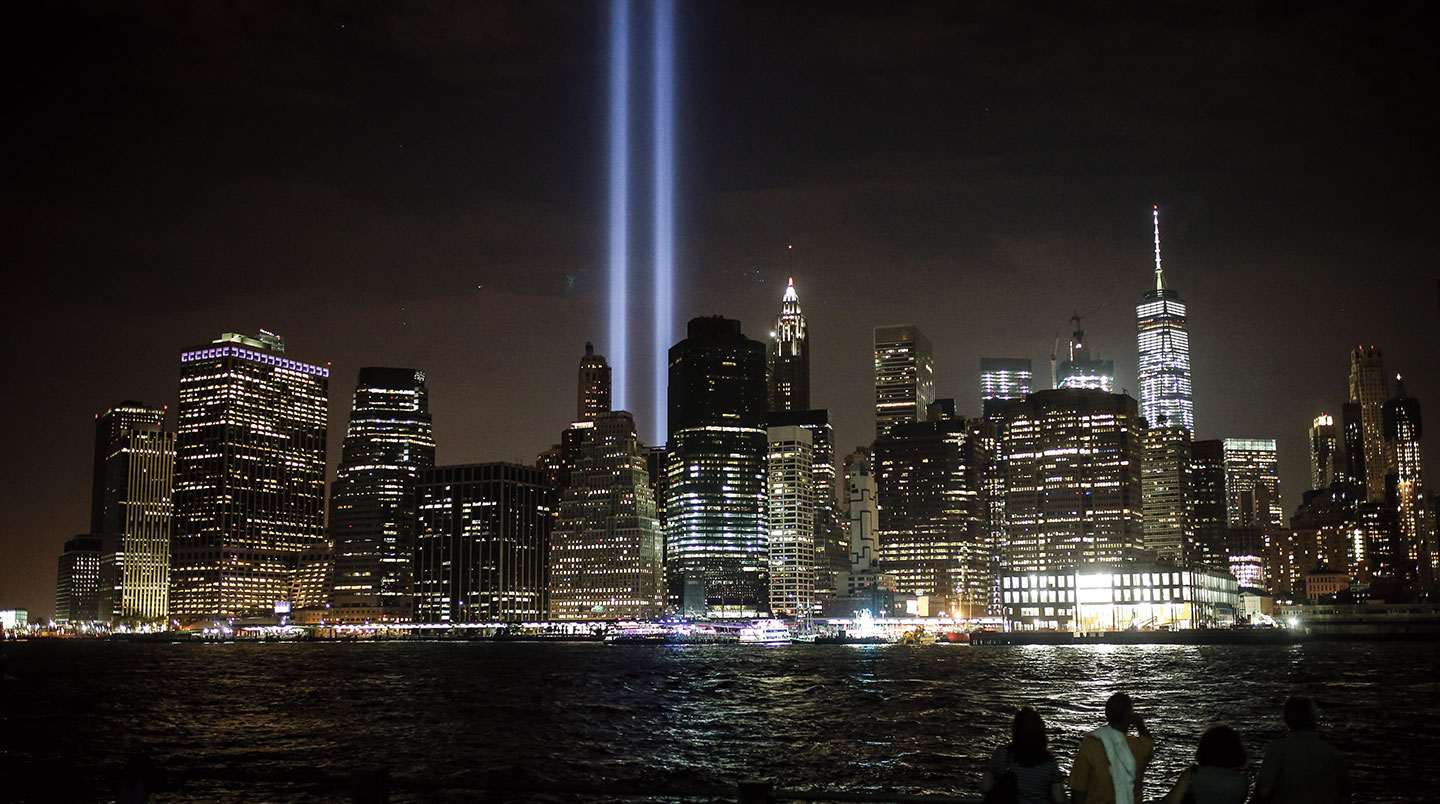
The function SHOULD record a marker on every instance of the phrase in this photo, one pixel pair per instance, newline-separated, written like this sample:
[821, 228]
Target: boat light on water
[766, 632]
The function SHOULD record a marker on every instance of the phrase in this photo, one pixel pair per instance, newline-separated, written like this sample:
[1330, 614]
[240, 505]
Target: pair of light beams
[662, 196]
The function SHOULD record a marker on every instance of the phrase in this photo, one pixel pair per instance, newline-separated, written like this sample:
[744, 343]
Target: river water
[274, 721]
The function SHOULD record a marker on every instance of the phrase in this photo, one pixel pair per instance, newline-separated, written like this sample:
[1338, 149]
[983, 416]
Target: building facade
[388, 443]
[249, 475]
[607, 548]
[1072, 480]
[1324, 452]
[716, 532]
[1082, 372]
[1406, 486]
[1368, 390]
[593, 393]
[482, 544]
[788, 357]
[1252, 483]
[933, 533]
[77, 581]
[1163, 370]
[791, 510]
[831, 537]
[136, 473]
[904, 376]
[1003, 379]
[1120, 596]
[1166, 495]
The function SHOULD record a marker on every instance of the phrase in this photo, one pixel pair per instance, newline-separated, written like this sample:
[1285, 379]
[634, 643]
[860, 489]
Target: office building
[1003, 379]
[904, 376]
[1353, 436]
[607, 548]
[1368, 390]
[1163, 370]
[1324, 452]
[1166, 496]
[249, 475]
[1119, 596]
[372, 501]
[593, 394]
[1072, 480]
[482, 544]
[135, 466]
[788, 358]
[933, 532]
[1405, 485]
[862, 586]
[716, 533]
[831, 538]
[77, 581]
[1082, 372]
[790, 510]
[1209, 517]
[1252, 483]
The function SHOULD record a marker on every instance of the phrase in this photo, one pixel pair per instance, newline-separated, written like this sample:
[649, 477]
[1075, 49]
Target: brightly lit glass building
[249, 475]
[1163, 371]
[1003, 379]
[1120, 596]
[1252, 483]
[716, 531]
[1165, 492]
[372, 501]
[607, 549]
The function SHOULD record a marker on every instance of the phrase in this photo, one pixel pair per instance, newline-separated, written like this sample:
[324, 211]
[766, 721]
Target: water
[257, 721]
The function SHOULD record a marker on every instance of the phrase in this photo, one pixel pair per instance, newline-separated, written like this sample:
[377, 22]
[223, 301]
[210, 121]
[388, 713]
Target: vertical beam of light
[619, 195]
[664, 197]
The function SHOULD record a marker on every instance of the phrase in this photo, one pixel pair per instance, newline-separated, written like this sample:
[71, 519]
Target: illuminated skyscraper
[1080, 371]
[716, 532]
[1073, 479]
[1416, 524]
[1252, 483]
[135, 475]
[788, 359]
[607, 548]
[77, 581]
[1163, 370]
[904, 376]
[932, 531]
[1003, 379]
[249, 475]
[1367, 389]
[593, 395]
[372, 501]
[1324, 452]
[482, 544]
[831, 538]
[790, 510]
[1165, 491]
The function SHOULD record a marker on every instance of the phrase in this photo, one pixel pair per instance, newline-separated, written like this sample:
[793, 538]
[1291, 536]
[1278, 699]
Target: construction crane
[1077, 339]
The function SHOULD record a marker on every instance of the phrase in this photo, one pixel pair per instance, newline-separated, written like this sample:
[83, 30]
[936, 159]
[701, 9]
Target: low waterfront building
[1119, 596]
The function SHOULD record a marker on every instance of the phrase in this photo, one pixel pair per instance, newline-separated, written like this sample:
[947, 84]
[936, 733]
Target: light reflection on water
[913, 719]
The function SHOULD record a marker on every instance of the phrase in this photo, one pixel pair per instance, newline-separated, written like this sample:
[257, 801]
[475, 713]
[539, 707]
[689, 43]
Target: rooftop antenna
[1159, 274]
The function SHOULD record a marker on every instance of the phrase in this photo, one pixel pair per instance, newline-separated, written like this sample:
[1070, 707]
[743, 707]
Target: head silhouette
[1118, 710]
[1027, 737]
[1300, 714]
[1220, 747]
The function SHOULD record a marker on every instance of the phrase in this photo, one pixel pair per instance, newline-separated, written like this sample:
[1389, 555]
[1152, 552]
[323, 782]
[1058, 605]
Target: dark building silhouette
[372, 501]
[1404, 483]
[716, 531]
[482, 544]
[593, 394]
[904, 376]
[1208, 516]
[77, 581]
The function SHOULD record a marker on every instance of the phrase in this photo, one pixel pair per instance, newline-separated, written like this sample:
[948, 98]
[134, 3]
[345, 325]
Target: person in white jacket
[1110, 763]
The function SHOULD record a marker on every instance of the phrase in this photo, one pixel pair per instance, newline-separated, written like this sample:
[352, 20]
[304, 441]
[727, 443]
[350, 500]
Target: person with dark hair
[1110, 764]
[1218, 775]
[1025, 765]
[1301, 768]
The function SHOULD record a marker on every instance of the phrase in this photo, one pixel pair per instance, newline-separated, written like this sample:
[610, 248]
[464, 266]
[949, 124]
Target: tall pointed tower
[1164, 367]
[1368, 389]
[787, 370]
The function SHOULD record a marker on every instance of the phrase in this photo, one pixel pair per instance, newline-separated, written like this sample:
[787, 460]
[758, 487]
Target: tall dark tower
[1405, 485]
[372, 501]
[134, 478]
[716, 530]
[593, 395]
[1368, 390]
[788, 363]
[249, 475]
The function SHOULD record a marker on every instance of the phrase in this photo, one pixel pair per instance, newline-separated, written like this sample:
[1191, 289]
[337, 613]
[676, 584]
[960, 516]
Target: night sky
[424, 185]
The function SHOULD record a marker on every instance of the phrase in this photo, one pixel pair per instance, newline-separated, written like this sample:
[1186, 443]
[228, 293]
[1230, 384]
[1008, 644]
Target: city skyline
[1282, 279]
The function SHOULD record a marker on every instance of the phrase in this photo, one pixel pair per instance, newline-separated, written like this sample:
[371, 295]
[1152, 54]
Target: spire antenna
[1159, 273]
